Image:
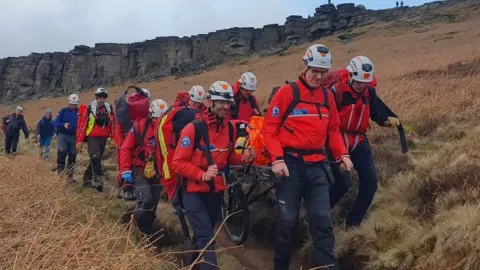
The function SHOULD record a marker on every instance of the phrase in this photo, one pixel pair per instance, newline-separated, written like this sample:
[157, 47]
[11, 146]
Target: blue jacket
[66, 115]
[45, 128]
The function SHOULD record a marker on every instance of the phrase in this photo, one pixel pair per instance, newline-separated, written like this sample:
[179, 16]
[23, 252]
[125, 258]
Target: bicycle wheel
[237, 225]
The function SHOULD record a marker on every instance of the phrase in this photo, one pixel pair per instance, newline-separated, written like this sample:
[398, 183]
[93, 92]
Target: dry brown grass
[44, 224]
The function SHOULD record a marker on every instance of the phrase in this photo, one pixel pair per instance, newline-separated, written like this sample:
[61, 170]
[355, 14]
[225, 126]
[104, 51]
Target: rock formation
[58, 73]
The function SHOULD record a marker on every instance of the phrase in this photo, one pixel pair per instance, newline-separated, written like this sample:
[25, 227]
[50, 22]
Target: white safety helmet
[318, 56]
[158, 107]
[19, 108]
[73, 99]
[248, 81]
[145, 90]
[101, 92]
[361, 69]
[220, 90]
[197, 93]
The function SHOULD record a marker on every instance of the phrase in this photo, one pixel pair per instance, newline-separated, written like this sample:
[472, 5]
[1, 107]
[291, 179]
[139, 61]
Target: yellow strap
[163, 148]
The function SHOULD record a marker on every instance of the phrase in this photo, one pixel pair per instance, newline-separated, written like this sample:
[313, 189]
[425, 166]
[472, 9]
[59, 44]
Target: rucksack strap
[202, 130]
[325, 97]
[230, 133]
[139, 143]
[253, 102]
[293, 104]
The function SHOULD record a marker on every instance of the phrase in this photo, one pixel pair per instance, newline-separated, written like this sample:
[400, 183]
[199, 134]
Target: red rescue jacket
[306, 128]
[191, 163]
[245, 106]
[98, 124]
[136, 153]
[354, 110]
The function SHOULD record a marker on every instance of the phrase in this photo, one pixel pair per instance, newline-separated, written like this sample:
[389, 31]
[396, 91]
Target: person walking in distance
[12, 124]
[66, 125]
[298, 121]
[45, 132]
[245, 105]
[196, 98]
[98, 126]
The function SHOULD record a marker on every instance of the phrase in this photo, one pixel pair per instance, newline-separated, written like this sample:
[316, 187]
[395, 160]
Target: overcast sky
[57, 25]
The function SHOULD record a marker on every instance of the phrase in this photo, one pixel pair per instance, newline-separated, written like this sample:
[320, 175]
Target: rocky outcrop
[52, 74]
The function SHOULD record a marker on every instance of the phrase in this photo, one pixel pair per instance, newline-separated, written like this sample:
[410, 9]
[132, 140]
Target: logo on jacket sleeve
[275, 111]
[185, 142]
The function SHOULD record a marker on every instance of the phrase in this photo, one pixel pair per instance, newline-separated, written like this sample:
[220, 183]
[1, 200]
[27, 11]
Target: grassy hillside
[425, 212]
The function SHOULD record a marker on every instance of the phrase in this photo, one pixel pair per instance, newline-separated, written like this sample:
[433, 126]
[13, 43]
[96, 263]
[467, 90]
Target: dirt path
[252, 255]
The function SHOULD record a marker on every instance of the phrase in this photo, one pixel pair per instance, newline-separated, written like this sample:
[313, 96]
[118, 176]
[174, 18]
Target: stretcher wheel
[237, 226]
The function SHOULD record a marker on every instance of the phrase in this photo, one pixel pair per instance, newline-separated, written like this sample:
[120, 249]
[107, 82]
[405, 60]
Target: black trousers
[11, 143]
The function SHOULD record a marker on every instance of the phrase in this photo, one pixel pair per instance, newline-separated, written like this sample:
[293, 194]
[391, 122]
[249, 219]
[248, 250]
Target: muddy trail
[249, 255]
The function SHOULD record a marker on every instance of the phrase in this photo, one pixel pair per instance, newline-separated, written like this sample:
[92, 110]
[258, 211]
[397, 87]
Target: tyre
[237, 226]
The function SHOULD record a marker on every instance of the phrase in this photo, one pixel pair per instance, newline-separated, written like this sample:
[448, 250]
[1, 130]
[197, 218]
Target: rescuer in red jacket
[357, 104]
[98, 125]
[245, 103]
[138, 166]
[298, 121]
[202, 201]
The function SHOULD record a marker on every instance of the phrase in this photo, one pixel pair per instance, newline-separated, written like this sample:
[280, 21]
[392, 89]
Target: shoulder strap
[293, 104]
[198, 134]
[336, 96]
[139, 143]
[325, 96]
[230, 133]
[253, 102]
[202, 130]
[234, 110]
[145, 129]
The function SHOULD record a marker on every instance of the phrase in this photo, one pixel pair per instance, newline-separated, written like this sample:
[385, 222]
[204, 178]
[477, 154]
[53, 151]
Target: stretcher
[236, 201]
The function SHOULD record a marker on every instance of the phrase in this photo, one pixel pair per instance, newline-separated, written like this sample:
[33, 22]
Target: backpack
[274, 91]
[168, 131]
[131, 108]
[235, 107]
[182, 99]
[5, 122]
[241, 127]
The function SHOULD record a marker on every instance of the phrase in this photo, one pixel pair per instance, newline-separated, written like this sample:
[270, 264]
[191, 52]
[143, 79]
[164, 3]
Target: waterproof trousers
[66, 148]
[11, 143]
[147, 192]
[203, 210]
[364, 164]
[311, 182]
[93, 175]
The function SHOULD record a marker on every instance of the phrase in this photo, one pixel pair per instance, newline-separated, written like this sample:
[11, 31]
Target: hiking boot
[71, 180]
[98, 183]
[87, 184]
[128, 195]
